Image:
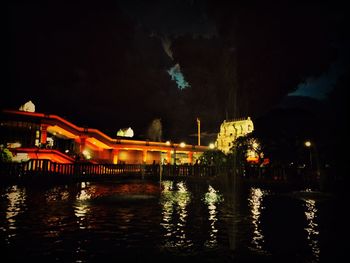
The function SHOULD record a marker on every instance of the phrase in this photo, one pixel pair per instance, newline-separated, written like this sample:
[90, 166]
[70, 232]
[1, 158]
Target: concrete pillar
[115, 156]
[144, 156]
[82, 143]
[190, 157]
[43, 132]
[168, 157]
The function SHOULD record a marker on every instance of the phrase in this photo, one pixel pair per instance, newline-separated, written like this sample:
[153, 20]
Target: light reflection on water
[16, 204]
[109, 216]
[212, 198]
[174, 200]
[312, 228]
[255, 202]
[82, 207]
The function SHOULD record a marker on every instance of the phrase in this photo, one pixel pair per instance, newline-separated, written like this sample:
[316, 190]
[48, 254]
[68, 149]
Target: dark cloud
[171, 18]
[106, 65]
[262, 53]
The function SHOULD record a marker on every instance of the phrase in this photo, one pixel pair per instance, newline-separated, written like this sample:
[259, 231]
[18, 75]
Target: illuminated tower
[230, 130]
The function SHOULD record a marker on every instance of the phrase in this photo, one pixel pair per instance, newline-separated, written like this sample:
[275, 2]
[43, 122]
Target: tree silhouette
[154, 132]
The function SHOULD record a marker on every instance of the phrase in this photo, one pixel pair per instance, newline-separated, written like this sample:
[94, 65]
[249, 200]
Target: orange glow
[58, 130]
[98, 141]
[190, 157]
[253, 159]
[109, 142]
[43, 133]
[52, 155]
[266, 161]
[115, 156]
[144, 156]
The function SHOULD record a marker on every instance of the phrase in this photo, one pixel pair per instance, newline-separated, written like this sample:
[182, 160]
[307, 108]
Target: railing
[39, 168]
[43, 167]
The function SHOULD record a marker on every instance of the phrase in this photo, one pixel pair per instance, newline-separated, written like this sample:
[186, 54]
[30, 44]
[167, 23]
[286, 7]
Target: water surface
[141, 221]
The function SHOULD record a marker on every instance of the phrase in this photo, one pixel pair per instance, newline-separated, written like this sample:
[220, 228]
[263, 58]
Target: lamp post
[199, 131]
[308, 145]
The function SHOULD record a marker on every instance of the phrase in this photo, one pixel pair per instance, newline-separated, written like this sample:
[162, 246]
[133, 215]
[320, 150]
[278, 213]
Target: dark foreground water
[171, 221]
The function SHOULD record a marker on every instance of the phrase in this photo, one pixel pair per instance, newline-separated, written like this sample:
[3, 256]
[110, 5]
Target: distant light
[211, 145]
[87, 154]
[14, 145]
[66, 151]
[167, 143]
[308, 144]
[127, 132]
[182, 145]
[28, 106]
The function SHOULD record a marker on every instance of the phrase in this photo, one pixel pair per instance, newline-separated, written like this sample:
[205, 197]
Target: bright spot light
[126, 132]
[182, 145]
[307, 143]
[66, 151]
[167, 143]
[87, 154]
[211, 146]
[14, 145]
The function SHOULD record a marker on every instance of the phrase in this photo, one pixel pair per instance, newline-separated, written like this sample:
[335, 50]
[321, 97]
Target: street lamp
[308, 145]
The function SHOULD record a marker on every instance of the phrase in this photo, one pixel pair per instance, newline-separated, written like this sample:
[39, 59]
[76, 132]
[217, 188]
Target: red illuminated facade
[32, 135]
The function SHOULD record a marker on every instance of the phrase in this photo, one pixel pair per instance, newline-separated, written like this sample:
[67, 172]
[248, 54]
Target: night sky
[108, 66]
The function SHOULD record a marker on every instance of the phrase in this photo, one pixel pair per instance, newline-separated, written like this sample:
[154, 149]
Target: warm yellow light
[307, 143]
[87, 154]
[211, 146]
[167, 143]
[182, 145]
[14, 145]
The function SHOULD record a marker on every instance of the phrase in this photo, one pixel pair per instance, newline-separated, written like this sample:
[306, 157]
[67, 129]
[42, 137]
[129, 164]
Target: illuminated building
[230, 130]
[33, 135]
[126, 132]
